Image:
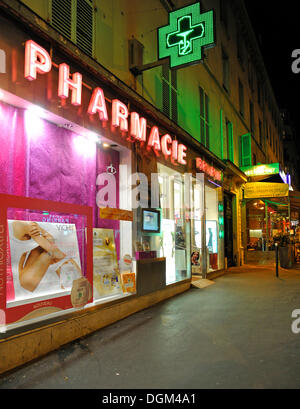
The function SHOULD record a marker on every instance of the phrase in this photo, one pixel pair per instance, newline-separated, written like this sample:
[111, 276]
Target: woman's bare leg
[36, 266]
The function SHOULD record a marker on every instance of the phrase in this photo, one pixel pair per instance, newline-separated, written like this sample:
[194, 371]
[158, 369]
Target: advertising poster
[107, 280]
[128, 282]
[195, 262]
[44, 258]
[212, 237]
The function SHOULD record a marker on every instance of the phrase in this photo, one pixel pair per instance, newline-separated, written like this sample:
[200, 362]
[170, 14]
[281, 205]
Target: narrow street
[233, 334]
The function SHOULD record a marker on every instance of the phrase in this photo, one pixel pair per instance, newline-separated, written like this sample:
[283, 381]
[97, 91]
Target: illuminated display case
[48, 268]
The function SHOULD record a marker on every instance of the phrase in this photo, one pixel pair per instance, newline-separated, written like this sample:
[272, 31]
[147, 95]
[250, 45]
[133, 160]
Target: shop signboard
[187, 33]
[39, 62]
[209, 170]
[262, 170]
[265, 190]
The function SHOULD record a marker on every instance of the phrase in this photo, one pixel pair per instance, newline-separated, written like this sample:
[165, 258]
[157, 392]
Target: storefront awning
[269, 179]
[266, 190]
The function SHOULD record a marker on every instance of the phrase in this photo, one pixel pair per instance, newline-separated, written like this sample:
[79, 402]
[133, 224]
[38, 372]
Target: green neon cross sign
[185, 36]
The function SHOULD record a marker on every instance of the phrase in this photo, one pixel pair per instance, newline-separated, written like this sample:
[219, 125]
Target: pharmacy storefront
[100, 205]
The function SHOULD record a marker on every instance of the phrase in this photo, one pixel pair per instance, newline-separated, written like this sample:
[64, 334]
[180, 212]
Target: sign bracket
[139, 69]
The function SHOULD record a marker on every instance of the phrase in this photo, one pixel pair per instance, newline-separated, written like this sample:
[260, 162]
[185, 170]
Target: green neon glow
[185, 36]
[261, 170]
[222, 134]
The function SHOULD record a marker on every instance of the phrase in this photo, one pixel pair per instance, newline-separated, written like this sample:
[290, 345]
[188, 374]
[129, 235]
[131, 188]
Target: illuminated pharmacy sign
[38, 61]
[185, 36]
[209, 170]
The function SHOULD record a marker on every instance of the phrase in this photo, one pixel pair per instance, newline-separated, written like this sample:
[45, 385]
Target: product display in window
[146, 246]
[195, 261]
[107, 279]
[81, 292]
[179, 238]
[128, 282]
[44, 258]
[212, 237]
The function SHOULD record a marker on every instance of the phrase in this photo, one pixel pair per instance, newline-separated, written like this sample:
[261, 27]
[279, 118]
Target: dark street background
[277, 30]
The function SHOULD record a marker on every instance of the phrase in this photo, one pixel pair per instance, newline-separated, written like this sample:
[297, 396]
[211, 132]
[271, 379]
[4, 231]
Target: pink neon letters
[38, 61]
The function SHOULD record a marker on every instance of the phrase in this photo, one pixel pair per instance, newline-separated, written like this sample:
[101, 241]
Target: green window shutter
[245, 151]
[221, 134]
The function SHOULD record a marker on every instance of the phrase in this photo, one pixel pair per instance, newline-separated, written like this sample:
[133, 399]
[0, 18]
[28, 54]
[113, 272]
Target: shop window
[214, 228]
[245, 150]
[69, 175]
[75, 20]
[174, 241]
[204, 119]
[169, 93]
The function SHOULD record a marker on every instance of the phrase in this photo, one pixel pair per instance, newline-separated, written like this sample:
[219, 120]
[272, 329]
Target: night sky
[278, 29]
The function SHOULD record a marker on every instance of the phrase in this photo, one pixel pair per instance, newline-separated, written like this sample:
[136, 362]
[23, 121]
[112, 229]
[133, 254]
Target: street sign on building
[264, 190]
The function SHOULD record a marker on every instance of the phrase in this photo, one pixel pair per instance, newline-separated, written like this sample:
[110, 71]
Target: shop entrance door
[228, 226]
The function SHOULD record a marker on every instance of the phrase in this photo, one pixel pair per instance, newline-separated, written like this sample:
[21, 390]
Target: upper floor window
[226, 76]
[240, 49]
[204, 118]
[245, 151]
[259, 92]
[241, 99]
[75, 20]
[252, 120]
[254, 161]
[251, 75]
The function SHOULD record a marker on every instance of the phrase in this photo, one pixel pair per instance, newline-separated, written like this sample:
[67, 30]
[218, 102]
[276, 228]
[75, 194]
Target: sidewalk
[233, 334]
